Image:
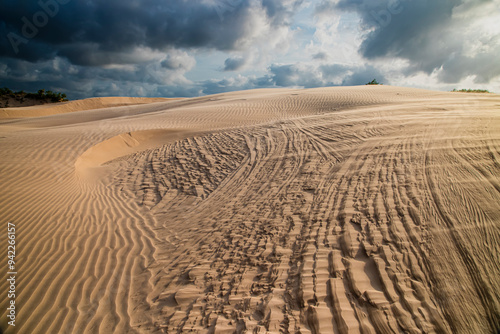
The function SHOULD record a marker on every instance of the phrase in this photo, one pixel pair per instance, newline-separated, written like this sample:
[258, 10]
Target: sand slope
[334, 210]
[77, 105]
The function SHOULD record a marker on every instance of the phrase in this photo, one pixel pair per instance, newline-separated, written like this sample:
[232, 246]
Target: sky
[185, 48]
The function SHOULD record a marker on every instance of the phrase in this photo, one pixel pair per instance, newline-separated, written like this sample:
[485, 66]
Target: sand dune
[77, 105]
[333, 210]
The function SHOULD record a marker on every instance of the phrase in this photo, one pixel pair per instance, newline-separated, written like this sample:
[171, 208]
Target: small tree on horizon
[373, 82]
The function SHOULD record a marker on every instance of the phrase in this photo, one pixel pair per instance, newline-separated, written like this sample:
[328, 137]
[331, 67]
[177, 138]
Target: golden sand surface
[371, 209]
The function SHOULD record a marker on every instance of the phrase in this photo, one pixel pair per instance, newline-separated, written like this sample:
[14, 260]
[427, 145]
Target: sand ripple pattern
[341, 210]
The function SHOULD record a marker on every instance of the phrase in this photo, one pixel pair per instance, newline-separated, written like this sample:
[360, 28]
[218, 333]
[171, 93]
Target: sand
[78, 105]
[370, 209]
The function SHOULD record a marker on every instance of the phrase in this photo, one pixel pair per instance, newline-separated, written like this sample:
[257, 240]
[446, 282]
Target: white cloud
[183, 49]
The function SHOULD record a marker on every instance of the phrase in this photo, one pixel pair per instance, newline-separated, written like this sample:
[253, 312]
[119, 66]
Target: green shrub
[41, 95]
[373, 82]
[5, 91]
[471, 90]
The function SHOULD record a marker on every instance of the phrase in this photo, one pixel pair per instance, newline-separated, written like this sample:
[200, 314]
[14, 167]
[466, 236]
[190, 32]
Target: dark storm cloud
[88, 47]
[405, 28]
[97, 32]
[233, 64]
[296, 75]
[426, 33]
[148, 79]
[320, 56]
[280, 11]
[484, 66]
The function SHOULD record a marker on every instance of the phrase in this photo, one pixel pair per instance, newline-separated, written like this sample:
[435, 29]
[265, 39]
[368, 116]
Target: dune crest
[330, 210]
[77, 105]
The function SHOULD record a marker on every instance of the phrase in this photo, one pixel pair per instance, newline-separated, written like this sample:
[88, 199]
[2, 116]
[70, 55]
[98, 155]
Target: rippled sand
[336, 210]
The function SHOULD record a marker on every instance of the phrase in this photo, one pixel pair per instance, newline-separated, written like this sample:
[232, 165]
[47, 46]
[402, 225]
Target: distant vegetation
[471, 90]
[373, 82]
[8, 98]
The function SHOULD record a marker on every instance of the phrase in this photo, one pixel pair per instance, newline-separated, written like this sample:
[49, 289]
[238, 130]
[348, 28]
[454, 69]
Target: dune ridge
[330, 210]
[76, 105]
